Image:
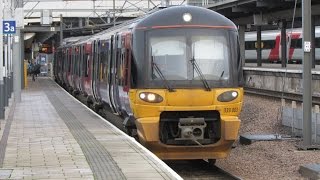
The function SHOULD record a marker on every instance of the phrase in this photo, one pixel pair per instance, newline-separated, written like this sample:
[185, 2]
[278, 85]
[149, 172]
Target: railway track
[289, 96]
[196, 169]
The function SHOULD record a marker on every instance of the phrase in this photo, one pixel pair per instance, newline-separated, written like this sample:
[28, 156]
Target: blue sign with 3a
[9, 27]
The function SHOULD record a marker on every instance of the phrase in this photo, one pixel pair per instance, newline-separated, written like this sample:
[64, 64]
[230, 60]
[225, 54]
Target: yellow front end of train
[184, 107]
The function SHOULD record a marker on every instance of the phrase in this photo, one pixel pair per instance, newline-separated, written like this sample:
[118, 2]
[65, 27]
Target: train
[271, 46]
[174, 76]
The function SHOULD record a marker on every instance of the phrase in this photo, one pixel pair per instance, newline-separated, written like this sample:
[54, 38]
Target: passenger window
[296, 43]
[250, 45]
[268, 44]
[317, 42]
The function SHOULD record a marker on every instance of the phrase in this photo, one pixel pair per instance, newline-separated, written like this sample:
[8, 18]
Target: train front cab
[188, 124]
[187, 96]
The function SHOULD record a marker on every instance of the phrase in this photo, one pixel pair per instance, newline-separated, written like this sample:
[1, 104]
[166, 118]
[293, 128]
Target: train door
[295, 50]
[96, 70]
[76, 69]
[65, 68]
[61, 65]
[83, 68]
[123, 68]
[87, 83]
[104, 60]
[73, 67]
[109, 72]
[79, 59]
[70, 64]
[113, 71]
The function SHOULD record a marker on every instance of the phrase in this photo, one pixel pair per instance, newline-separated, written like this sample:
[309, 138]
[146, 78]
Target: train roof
[164, 17]
[174, 16]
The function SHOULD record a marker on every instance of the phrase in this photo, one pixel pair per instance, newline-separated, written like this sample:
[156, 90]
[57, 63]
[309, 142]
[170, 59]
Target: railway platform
[51, 135]
[272, 78]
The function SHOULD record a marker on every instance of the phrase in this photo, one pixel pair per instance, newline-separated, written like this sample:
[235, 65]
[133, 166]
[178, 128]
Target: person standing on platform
[35, 71]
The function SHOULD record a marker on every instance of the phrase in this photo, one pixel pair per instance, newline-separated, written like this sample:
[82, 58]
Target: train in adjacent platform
[271, 46]
[174, 76]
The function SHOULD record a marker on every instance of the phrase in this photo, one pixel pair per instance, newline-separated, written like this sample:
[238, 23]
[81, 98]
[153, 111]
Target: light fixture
[187, 17]
[150, 97]
[228, 96]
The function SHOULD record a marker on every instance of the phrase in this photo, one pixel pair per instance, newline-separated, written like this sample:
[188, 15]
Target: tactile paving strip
[99, 160]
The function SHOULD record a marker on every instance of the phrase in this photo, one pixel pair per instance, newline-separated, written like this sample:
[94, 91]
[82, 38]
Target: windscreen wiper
[204, 81]
[155, 66]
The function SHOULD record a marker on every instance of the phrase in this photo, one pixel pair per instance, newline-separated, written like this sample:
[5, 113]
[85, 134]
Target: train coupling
[191, 128]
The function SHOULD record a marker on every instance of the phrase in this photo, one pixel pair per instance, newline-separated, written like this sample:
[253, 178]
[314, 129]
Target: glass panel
[296, 43]
[169, 54]
[250, 45]
[211, 52]
[317, 42]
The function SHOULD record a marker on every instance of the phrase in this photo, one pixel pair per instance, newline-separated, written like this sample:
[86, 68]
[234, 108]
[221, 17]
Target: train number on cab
[231, 110]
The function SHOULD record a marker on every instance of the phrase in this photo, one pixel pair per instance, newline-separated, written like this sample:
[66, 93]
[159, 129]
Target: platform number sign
[9, 27]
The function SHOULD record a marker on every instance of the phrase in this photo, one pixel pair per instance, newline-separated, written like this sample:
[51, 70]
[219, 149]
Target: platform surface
[270, 67]
[51, 135]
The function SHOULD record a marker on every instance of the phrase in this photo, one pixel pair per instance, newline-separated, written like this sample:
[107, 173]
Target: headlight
[150, 97]
[228, 96]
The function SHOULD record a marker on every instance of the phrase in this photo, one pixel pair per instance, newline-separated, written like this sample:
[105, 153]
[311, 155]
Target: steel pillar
[11, 65]
[2, 96]
[242, 43]
[22, 58]
[259, 56]
[17, 66]
[307, 77]
[114, 12]
[313, 40]
[61, 29]
[284, 43]
[5, 69]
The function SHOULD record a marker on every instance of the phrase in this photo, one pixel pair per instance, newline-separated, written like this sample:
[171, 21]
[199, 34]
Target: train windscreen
[189, 54]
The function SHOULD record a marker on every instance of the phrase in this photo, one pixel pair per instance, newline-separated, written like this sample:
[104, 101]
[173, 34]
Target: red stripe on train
[275, 52]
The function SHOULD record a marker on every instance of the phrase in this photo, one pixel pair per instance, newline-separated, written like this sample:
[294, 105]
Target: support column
[80, 25]
[22, 58]
[61, 29]
[11, 64]
[313, 41]
[8, 67]
[17, 53]
[2, 110]
[284, 43]
[259, 56]
[6, 15]
[5, 78]
[307, 77]
[17, 66]
[242, 43]
[114, 13]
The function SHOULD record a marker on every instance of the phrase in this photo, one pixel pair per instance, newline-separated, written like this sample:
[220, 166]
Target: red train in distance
[271, 46]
